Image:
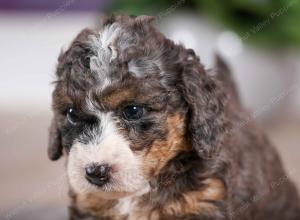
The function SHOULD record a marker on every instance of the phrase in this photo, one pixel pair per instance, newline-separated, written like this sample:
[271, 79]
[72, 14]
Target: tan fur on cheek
[162, 151]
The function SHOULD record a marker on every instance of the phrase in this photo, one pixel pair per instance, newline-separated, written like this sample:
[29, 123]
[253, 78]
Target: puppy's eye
[133, 112]
[72, 116]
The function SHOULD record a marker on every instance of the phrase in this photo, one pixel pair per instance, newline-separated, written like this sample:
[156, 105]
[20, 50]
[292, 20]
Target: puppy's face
[123, 109]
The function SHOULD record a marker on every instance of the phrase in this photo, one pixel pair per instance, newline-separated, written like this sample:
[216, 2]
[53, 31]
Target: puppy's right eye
[72, 116]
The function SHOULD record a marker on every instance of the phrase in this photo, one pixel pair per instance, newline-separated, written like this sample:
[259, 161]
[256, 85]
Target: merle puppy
[149, 134]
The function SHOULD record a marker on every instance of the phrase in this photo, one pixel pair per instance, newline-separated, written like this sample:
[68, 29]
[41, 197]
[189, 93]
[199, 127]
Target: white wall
[29, 47]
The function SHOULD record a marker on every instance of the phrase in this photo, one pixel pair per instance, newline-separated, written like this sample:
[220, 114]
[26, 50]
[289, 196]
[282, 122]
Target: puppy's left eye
[72, 116]
[133, 112]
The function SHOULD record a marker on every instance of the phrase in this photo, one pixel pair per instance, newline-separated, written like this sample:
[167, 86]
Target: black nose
[97, 174]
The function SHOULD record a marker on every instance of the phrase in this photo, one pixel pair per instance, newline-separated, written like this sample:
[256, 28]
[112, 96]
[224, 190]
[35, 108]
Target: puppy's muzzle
[97, 174]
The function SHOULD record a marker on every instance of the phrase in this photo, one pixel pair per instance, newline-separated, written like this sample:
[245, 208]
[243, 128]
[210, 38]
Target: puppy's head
[126, 102]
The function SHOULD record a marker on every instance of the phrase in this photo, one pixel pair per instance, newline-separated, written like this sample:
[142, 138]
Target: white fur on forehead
[104, 46]
[113, 39]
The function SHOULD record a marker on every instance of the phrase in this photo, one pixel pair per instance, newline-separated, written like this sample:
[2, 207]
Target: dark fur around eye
[69, 133]
[81, 133]
[74, 117]
[77, 126]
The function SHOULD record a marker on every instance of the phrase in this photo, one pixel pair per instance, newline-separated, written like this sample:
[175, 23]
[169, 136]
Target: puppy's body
[167, 139]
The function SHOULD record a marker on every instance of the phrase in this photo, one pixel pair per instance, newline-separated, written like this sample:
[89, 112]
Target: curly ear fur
[55, 148]
[54, 142]
[206, 103]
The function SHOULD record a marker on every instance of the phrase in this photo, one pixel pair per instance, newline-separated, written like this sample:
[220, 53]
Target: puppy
[149, 134]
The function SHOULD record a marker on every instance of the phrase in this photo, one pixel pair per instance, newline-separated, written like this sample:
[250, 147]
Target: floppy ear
[207, 122]
[54, 142]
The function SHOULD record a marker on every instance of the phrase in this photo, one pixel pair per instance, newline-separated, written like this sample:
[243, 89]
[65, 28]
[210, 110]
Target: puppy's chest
[128, 208]
[149, 206]
[131, 209]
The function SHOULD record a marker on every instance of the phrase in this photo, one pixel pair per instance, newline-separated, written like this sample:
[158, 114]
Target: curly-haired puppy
[148, 133]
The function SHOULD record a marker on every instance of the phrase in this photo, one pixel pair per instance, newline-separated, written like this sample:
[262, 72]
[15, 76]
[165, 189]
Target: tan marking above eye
[115, 98]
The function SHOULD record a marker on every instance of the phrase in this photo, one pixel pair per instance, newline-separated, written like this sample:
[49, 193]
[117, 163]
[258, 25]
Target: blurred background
[259, 39]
